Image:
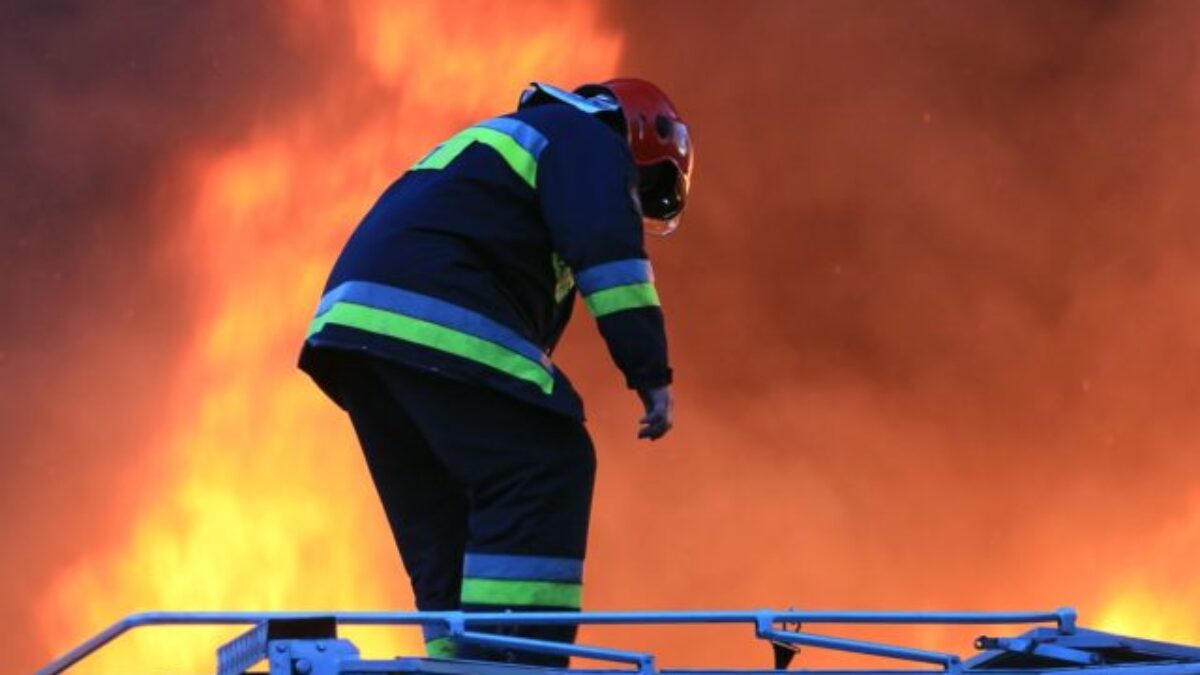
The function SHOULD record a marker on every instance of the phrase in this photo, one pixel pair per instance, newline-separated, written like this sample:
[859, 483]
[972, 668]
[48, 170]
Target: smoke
[931, 308]
[98, 105]
[257, 497]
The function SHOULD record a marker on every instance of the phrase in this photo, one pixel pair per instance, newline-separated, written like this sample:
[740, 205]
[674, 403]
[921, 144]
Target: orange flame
[266, 504]
[1159, 597]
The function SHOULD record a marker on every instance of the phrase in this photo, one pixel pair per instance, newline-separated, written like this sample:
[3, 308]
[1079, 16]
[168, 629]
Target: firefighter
[436, 325]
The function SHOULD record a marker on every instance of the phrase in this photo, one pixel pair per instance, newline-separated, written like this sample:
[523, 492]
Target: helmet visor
[662, 190]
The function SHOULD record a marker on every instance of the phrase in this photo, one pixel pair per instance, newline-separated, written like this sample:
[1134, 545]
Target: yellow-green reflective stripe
[445, 153]
[437, 337]
[521, 593]
[618, 298]
[518, 158]
[441, 648]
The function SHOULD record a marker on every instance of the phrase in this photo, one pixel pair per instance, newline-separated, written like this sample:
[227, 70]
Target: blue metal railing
[764, 622]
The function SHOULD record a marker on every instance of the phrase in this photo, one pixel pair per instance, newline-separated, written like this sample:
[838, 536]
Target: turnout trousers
[488, 498]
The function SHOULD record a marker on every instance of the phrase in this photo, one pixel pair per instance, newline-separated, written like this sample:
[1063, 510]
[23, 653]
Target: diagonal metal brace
[644, 662]
[1034, 647]
[240, 654]
[766, 631]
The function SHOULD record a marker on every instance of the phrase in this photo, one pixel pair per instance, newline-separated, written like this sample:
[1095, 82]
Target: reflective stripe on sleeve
[620, 298]
[616, 273]
[617, 286]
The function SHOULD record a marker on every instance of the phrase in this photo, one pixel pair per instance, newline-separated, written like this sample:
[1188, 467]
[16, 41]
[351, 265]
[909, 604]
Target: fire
[265, 503]
[1158, 598]
[834, 466]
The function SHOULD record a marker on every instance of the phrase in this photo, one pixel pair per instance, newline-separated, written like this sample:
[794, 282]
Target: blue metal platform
[295, 643]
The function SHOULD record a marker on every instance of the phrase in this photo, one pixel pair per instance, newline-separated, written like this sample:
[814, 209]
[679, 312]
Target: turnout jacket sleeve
[587, 190]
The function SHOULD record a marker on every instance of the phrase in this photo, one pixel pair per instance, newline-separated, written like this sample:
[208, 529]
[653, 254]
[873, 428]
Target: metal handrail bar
[1064, 617]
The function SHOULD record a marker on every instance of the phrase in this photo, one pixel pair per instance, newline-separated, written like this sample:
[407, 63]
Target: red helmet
[661, 145]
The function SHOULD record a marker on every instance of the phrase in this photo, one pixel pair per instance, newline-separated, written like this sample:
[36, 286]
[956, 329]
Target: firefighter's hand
[660, 412]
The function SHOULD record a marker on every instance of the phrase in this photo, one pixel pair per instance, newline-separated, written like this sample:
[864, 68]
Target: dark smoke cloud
[98, 104]
[930, 306]
[888, 164]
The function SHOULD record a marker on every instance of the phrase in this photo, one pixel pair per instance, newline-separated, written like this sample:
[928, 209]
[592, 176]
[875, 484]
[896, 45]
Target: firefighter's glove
[660, 412]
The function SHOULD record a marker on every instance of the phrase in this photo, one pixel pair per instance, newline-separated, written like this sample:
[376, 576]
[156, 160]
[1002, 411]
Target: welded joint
[456, 624]
[1067, 617]
[764, 623]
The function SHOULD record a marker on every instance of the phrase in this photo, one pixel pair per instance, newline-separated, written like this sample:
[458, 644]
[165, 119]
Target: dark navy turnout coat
[468, 265]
